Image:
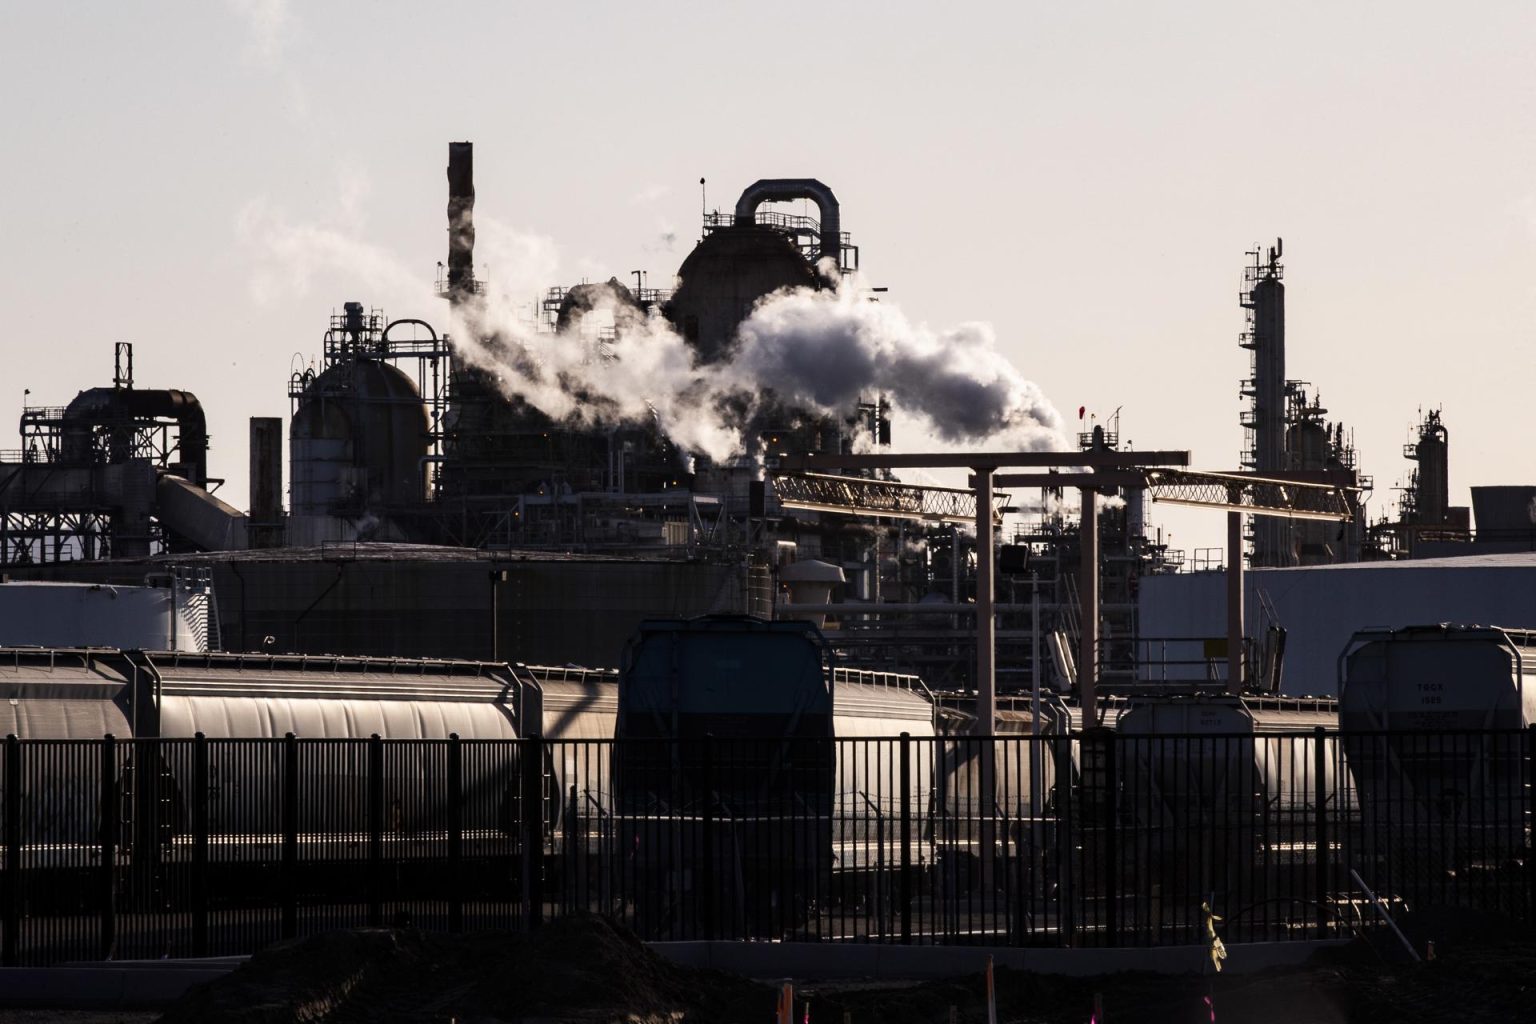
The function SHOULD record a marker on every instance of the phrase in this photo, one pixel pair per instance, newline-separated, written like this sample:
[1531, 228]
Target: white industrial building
[1320, 607]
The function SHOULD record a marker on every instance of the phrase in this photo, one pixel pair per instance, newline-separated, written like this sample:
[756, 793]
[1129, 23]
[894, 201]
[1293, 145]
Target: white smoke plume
[646, 374]
[828, 348]
[819, 350]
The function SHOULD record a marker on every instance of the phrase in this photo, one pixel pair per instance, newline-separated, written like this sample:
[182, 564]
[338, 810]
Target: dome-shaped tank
[357, 440]
[725, 276]
[610, 298]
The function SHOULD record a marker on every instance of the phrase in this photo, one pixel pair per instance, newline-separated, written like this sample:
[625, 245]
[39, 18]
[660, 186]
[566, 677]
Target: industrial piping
[108, 406]
[773, 190]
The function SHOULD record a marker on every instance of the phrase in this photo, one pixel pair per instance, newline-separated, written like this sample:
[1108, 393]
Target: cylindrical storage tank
[1309, 445]
[1312, 543]
[1433, 456]
[357, 441]
[46, 614]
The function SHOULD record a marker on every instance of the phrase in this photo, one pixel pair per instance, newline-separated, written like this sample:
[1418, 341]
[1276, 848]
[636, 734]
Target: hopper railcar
[184, 723]
[753, 779]
[1436, 726]
[1218, 797]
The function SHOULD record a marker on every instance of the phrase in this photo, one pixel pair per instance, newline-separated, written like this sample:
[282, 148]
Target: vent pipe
[775, 190]
[118, 408]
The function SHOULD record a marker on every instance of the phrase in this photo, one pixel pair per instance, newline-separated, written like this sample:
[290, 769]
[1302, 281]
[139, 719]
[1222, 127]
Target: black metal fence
[153, 848]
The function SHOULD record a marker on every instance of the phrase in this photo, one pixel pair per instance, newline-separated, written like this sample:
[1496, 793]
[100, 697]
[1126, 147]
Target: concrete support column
[1088, 587]
[1234, 601]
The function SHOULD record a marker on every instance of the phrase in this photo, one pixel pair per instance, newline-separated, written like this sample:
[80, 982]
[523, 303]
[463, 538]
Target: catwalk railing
[151, 848]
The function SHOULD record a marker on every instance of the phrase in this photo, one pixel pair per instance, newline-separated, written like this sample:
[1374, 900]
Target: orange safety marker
[786, 1013]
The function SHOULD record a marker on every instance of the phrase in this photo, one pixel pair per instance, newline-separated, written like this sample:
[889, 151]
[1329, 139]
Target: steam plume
[827, 348]
[822, 351]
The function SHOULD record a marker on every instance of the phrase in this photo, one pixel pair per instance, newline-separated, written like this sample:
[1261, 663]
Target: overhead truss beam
[852, 495]
[1260, 496]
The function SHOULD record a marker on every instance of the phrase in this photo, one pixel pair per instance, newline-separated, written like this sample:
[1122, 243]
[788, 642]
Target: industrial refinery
[439, 504]
[1005, 513]
[512, 633]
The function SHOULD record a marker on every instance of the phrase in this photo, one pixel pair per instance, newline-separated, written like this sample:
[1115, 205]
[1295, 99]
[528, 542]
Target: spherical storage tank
[357, 440]
[725, 276]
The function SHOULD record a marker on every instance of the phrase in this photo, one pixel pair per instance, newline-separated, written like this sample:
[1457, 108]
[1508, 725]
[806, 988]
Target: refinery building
[433, 510]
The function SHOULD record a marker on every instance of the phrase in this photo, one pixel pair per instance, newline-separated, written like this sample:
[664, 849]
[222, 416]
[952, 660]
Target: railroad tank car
[744, 751]
[1434, 722]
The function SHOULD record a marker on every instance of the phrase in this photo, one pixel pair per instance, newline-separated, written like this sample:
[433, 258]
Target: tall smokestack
[266, 519]
[461, 220]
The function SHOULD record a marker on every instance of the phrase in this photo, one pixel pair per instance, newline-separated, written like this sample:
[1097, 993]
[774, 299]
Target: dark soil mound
[582, 969]
[577, 969]
[1475, 981]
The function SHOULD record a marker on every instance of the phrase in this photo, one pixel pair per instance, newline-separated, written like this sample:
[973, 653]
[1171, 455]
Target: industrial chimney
[461, 221]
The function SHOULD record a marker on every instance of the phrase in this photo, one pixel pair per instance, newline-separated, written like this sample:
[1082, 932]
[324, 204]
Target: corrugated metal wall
[1322, 607]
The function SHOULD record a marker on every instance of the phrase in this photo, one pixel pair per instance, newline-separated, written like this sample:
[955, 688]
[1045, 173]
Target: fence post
[568, 873]
[1066, 828]
[199, 845]
[290, 871]
[1320, 823]
[1110, 844]
[11, 898]
[108, 851]
[532, 768]
[706, 881]
[1530, 821]
[905, 894]
[375, 831]
[455, 832]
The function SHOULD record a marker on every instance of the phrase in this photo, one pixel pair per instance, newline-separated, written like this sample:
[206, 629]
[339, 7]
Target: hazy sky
[209, 180]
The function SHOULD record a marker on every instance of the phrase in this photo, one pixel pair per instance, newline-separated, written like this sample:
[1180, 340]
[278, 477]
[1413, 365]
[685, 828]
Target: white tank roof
[44, 614]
